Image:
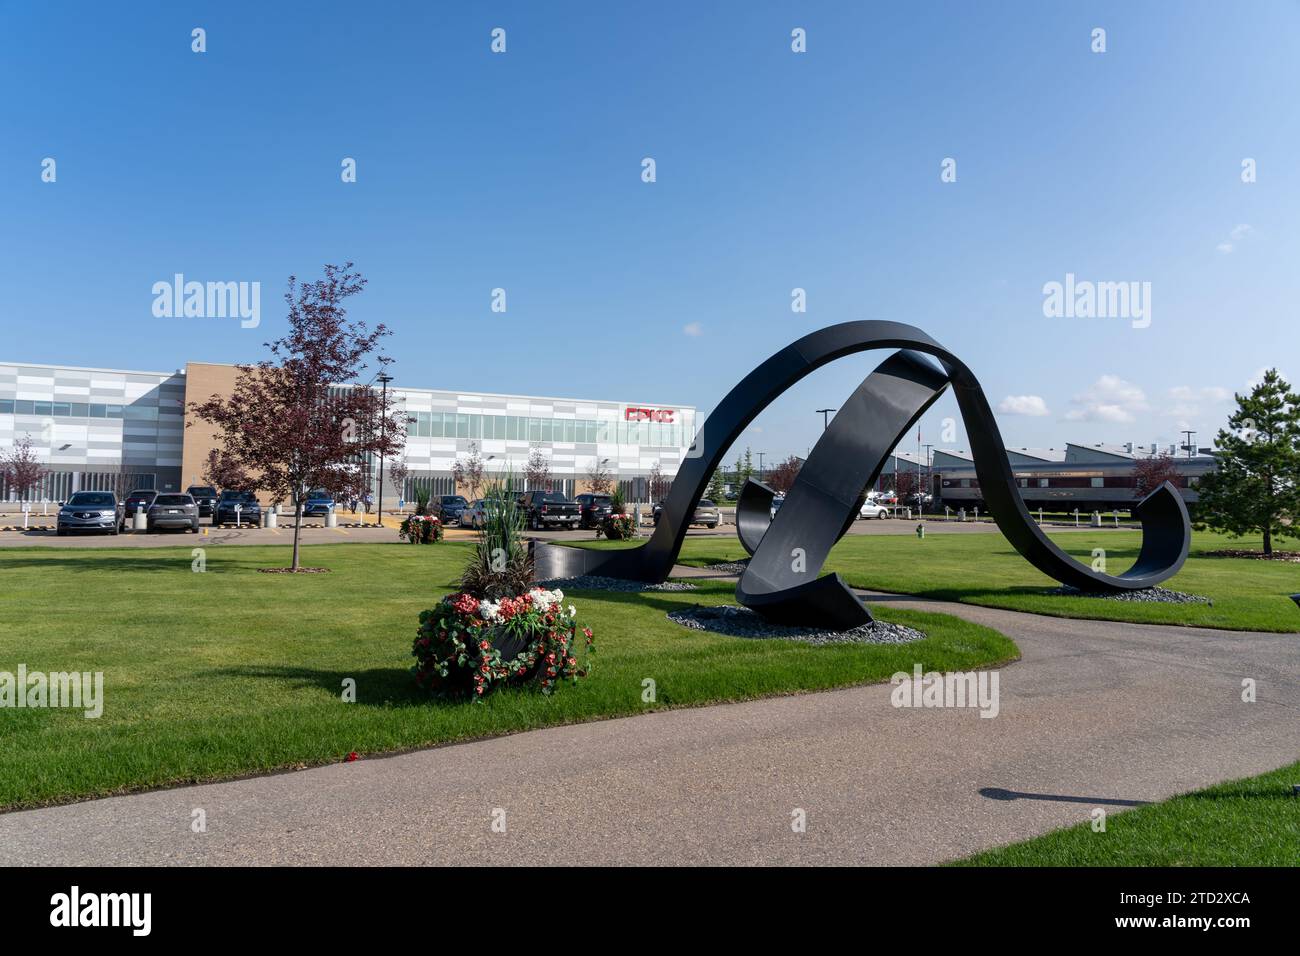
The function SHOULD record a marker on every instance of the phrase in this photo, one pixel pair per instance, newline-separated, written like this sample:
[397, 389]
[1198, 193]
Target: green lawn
[984, 569]
[231, 672]
[1251, 822]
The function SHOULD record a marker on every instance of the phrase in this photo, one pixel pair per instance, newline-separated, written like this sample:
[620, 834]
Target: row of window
[59, 485]
[525, 428]
[1121, 481]
[9, 406]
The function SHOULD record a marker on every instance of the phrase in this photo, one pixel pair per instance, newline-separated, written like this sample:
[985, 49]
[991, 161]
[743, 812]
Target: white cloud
[1109, 399]
[694, 330]
[1187, 399]
[1238, 233]
[1032, 405]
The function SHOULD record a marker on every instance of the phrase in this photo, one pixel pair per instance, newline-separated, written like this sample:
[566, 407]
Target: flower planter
[617, 527]
[468, 646]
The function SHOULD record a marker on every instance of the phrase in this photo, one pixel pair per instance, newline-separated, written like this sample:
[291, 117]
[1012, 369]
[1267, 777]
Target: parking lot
[40, 532]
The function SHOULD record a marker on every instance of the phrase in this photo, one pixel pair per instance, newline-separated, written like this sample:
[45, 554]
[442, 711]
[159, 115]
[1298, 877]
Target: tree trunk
[297, 529]
[1268, 540]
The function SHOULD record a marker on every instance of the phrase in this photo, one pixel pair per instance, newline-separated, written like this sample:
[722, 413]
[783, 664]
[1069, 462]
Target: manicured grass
[984, 569]
[231, 672]
[1251, 822]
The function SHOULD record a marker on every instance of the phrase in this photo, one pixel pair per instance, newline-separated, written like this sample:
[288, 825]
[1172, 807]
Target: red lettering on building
[663, 415]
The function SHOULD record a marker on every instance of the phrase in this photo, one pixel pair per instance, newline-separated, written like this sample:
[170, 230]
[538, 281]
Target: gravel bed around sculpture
[1145, 596]
[742, 622]
[728, 567]
[1292, 556]
[596, 582]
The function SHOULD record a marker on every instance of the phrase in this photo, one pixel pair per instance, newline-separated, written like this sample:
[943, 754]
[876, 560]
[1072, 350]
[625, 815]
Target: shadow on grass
[377, 687]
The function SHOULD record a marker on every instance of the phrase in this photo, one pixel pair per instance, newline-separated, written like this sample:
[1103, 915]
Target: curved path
[1096, 714]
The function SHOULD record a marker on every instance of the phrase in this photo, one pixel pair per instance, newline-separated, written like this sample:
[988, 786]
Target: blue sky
[775, 171]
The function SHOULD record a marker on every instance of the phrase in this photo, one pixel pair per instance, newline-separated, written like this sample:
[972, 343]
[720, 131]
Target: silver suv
[89, 511]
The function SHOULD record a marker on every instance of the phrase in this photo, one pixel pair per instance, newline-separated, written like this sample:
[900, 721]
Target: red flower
[350, 757]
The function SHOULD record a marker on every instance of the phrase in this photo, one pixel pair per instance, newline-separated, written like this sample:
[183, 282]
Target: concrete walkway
[1096, 714]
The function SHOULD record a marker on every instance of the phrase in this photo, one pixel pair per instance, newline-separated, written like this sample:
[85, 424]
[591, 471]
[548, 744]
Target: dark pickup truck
[550, 509]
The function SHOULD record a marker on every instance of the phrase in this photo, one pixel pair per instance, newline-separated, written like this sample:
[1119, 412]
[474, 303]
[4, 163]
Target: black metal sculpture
[787, 552]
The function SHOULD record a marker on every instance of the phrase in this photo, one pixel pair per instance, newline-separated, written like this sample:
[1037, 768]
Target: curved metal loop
[753, 513]
[900, 395]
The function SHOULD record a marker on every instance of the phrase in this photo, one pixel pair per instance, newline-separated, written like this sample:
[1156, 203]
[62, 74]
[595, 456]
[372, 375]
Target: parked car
[318, 503]
[138, 500]
[550, 509]
[473, 515]
[777, 502]
[873, 509]
[205, 496]
[593, 509]
[89, 511]
[249, 511]
[706, 513]
[174, 511]
[449, 508]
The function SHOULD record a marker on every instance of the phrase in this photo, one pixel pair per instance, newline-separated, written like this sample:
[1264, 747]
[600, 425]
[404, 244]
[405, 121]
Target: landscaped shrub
[501, 565]
[420, 529]
[468, 646]
[617, 527]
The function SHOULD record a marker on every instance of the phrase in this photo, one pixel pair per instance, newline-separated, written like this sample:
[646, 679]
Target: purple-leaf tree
[294, 422]
[20, 468]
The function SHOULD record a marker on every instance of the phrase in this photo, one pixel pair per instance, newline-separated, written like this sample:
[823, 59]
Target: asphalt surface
[44, 536]
[1096, 714]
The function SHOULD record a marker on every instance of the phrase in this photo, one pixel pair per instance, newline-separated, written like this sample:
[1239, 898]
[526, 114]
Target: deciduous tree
[21, 469]
[781, 478]
[293, 422]
[1150, 473]
[537, 473]
[599, 477]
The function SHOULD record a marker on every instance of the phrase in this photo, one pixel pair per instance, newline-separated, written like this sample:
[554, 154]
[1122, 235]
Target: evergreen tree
[1256, 488]
[715, 491]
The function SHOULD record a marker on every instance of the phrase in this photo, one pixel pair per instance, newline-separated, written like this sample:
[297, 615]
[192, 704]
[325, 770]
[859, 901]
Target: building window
[1098, 483]
[1043, 483]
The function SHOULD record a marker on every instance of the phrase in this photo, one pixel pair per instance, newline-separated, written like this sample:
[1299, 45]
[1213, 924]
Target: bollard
[139, 522]
[907, 513]
[961, 514]
[331, 520]
[272, 517]
[1096, 519]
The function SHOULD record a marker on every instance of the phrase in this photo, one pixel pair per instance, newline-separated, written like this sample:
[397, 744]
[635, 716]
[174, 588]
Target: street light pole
[760, 464]
[384, 379]
[825, 414]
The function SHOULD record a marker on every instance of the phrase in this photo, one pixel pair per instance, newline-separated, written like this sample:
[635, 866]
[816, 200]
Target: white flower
[489, 610]
[573, 611]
